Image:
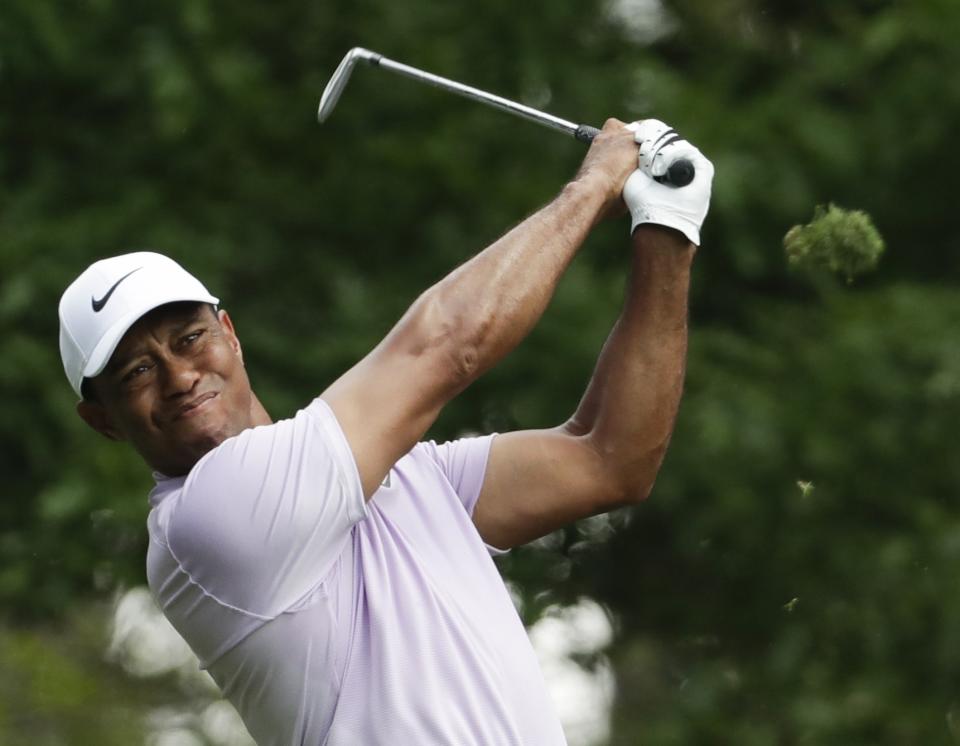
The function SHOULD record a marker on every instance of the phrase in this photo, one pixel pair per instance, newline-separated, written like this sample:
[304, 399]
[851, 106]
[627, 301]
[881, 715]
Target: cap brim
[108, 342]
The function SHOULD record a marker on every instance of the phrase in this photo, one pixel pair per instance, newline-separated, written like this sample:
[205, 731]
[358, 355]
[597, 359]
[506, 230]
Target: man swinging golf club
[333, 572]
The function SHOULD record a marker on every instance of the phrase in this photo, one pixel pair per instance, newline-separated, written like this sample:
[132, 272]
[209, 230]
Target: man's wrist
[593, 194]
[661, 239]
[589, 184]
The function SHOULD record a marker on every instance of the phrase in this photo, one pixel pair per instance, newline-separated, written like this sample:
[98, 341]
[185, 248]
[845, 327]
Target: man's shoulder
[259, 517]
[261, 451]
[268, 473]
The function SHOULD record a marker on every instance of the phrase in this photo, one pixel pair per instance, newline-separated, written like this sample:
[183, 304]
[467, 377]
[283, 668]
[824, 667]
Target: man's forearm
[484, 308]
[630, 405]
[495, 298]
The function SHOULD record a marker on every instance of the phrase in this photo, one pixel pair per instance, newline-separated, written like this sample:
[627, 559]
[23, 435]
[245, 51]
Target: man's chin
[204, 442]
[205, 432]
[198, 445]
[191, 440]
[187, 456]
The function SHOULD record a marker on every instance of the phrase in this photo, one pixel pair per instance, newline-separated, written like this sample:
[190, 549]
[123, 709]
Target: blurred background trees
[791, 581]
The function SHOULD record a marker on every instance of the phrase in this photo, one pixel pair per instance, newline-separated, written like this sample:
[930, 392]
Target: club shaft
[477, 95]
[679, 174]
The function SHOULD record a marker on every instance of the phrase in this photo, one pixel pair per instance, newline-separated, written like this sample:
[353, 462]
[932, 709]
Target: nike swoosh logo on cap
[99, 303]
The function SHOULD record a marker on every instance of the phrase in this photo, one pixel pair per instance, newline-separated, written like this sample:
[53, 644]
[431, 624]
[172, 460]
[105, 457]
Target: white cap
[108, 298]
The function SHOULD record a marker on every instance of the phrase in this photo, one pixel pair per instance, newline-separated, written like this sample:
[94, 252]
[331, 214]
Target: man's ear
[227, 324]
[97, 417]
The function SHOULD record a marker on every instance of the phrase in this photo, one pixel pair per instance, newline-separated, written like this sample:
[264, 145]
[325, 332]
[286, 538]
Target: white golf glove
[649, 201]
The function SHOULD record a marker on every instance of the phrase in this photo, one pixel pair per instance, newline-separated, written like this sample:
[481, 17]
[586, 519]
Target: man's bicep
[536, 482]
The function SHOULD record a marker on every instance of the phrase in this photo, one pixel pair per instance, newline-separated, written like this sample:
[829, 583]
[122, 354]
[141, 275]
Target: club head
[331, 94]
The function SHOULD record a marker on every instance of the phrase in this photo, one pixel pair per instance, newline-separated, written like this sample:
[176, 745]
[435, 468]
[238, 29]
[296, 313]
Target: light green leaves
[842, 241]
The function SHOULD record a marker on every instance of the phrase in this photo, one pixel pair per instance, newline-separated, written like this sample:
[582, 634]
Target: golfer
[332, 572]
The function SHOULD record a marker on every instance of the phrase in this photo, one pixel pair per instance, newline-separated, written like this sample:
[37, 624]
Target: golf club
[680, 173]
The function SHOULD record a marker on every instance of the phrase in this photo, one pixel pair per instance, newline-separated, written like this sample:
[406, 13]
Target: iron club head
[331, 94]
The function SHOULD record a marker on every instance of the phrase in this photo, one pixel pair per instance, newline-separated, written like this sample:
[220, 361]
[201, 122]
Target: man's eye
[135, 372]
[192, 337]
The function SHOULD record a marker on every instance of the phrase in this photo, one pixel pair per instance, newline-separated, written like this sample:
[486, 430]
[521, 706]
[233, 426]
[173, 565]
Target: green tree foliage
[790, 579]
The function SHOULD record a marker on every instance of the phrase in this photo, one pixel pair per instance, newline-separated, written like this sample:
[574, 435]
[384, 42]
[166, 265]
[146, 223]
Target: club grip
[586, 133]
[680, 173]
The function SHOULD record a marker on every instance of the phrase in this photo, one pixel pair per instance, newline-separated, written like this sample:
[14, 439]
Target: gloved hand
[649, 201]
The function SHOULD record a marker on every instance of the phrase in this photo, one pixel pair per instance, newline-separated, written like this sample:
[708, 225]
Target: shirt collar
[163, 487]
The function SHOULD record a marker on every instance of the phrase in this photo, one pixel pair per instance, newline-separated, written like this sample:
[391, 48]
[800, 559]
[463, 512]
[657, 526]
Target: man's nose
[179, 376]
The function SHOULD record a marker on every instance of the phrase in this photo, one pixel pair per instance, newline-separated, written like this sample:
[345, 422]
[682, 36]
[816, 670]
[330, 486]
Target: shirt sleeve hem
[346, 463]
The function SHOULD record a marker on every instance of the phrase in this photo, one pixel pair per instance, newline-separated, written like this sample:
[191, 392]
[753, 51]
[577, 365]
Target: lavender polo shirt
[326, 620]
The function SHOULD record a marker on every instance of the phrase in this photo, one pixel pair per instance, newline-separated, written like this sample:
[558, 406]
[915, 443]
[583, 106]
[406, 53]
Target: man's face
[175, 387]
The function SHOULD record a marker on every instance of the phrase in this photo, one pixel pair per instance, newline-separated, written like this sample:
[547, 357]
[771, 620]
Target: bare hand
[611, 159]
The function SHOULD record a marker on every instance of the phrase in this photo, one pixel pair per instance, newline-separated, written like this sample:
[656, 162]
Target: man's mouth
[195, 406]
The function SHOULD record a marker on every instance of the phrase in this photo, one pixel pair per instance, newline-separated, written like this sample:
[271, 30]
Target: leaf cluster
[842, 241]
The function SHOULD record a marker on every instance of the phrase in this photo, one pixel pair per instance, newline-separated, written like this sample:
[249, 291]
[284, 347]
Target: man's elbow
[635, 478]
[439, 331]
[634, 494]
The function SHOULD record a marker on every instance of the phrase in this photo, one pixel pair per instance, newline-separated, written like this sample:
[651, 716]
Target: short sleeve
[464, 464]
[262, 517]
